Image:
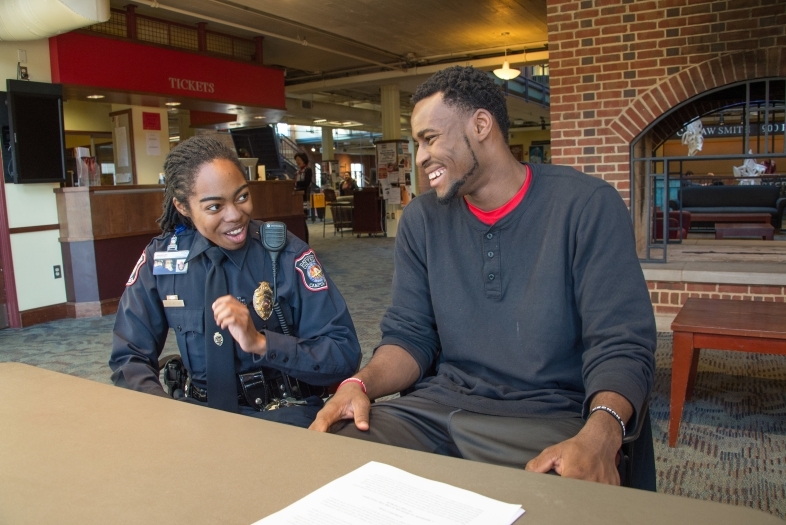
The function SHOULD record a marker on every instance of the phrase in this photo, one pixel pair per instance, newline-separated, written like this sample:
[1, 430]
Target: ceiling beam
[518, 60]
[257, 31]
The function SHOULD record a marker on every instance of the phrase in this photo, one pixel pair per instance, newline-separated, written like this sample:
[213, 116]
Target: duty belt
[266, 390]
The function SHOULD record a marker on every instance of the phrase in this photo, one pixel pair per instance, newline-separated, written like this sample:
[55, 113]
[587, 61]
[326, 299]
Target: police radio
[274, 238]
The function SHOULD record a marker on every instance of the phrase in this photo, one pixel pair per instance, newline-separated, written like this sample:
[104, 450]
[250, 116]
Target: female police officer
[238, 341]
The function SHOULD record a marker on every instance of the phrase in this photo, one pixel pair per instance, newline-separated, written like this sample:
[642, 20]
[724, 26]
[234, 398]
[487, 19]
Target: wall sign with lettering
[151, 121]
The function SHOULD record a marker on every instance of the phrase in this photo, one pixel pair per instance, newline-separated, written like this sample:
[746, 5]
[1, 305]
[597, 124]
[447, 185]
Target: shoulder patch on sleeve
[135, 273]
[311, 272]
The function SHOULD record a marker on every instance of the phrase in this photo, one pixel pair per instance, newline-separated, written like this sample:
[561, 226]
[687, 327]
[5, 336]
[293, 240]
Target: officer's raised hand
[230, 314]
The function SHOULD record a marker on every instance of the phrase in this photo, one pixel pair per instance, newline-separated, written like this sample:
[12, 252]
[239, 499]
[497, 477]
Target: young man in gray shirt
[521, 320]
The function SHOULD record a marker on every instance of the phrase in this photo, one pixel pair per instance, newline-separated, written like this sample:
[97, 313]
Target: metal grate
[166, 33]
[244, 49]
[184, 37]
[149, 30]
[115, 26]
[221, 44]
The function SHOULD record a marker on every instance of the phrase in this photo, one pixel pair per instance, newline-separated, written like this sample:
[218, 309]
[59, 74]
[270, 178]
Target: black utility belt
[267, 389]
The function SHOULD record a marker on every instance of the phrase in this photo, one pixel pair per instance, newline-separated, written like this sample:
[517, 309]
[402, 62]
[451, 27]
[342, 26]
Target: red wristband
[353, 380]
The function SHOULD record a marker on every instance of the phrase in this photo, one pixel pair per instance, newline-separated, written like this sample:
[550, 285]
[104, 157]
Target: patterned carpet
[732, 445]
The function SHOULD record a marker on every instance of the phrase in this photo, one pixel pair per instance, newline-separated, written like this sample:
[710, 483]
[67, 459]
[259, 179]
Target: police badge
[263, 300]
[218, 338]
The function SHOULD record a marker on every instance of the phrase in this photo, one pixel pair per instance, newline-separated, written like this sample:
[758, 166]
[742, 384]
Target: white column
[327, 143]
[391, 112]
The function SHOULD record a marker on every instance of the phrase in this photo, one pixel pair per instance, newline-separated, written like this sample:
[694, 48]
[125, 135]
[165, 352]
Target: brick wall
[618, 65]
[668, 297]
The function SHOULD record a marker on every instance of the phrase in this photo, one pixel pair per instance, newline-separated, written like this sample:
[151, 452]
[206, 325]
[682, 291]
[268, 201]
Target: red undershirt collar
[490, 217]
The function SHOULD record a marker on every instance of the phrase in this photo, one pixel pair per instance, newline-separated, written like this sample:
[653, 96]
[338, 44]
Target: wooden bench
[744, 326]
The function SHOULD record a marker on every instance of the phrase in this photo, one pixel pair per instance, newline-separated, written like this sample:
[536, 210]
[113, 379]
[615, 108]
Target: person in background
[303, 178]
[348, 184]
[241, 353]
[520, 321]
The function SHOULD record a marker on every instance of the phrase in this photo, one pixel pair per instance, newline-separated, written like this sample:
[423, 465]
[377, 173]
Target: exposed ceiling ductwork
[37, 19]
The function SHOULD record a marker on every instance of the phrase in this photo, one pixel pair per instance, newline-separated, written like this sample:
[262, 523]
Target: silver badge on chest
[218, 338]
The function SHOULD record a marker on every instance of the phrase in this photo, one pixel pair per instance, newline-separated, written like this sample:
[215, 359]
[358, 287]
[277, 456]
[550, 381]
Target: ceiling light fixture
[320, 121]
[260, 116]
[95, 97]
[505, 73]
[171, 103]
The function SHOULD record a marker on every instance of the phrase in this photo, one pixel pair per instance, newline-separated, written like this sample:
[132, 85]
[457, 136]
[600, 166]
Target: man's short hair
[468, 89]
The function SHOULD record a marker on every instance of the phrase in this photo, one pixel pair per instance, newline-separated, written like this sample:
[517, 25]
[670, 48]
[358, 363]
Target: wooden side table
[744, 326]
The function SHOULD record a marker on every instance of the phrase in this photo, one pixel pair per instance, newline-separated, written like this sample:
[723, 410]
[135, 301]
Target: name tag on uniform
[173, 301]
[166, 263]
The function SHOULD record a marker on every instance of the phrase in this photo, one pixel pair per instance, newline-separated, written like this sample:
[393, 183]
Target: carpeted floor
[732, 445]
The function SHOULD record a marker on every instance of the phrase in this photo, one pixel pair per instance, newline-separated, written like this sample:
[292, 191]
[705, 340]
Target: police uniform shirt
[323, 350]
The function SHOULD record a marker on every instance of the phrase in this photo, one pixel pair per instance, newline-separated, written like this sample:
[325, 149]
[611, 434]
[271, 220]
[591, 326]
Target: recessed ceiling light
[320, 120]
[95, 96]
[236, 109]
[171, 103]
[260, 116]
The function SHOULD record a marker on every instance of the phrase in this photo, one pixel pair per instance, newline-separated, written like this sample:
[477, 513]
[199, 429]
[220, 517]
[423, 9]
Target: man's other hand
[590, 455]
[349, 402]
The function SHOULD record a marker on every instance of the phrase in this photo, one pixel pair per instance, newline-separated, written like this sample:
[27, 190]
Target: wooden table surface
[74, 451]
[745, 318]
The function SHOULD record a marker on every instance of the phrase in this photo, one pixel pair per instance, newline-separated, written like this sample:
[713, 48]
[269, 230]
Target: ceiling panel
[343, 39]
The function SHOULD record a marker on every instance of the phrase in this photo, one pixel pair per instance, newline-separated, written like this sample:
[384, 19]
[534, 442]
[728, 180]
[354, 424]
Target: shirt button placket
[491, 264]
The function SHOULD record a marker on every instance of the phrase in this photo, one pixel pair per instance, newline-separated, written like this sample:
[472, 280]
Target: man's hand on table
[349, 402]
[390, 370]
[591, 454]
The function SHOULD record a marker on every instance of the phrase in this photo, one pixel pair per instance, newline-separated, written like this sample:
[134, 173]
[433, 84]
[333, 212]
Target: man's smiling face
[445, 152]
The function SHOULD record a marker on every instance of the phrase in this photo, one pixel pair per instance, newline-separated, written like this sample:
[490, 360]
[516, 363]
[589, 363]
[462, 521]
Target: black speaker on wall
[35, 132]
[5, 138]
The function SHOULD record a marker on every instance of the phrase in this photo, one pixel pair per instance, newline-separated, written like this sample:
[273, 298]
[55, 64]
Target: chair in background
[330, 198]
[637, 455]
[677, 231]
[342, 209]
[318, 206]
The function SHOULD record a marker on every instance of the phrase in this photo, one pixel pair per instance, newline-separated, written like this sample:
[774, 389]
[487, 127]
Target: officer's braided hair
[468, 89]
[181, 166]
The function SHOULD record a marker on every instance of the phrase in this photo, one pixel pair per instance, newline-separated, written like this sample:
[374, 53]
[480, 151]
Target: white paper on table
[384, 495]
[153, 141]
